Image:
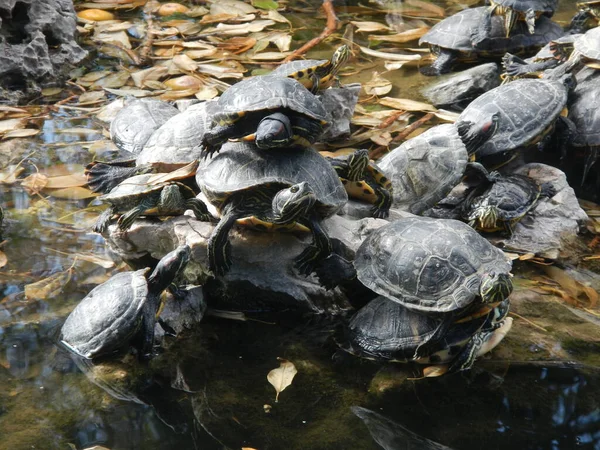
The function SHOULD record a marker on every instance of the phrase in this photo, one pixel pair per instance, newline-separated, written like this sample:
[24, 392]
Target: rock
[184, 311]
[457, 90]
[340, 103]
[37, 46]
[262, 273]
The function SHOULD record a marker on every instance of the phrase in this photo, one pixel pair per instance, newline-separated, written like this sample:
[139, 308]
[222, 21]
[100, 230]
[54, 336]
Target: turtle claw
[380, 213]
[305, 262]
[430, 71]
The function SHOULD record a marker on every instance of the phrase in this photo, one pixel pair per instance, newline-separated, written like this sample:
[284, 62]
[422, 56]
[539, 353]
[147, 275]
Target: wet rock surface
[340, 103]
[37, 45]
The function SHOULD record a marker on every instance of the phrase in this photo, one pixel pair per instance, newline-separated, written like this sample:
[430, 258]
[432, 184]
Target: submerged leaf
[282, 377]
[34, 183]
[265, 4]
[377, 85]
[49, 287]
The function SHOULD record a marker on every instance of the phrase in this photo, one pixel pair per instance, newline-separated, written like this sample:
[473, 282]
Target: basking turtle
[450, 39]
[385, 330]
[148, 194]
[171, 146]
[586, 17]
[273, 111]
[315, 74]
[438, 267]
[526, 111]
[515, 67]
[501, 201]
[526, 11]
[119, 309]
[365, 181]
[270, 191]
[583, 51]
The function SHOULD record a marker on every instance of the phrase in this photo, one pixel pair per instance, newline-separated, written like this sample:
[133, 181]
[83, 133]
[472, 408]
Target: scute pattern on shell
[241, 165]
[129, 192]
[108, 315]
[271, 92]
[454, 33]
[525, 107]
[428, 265]
[295, 66]
[589, 44]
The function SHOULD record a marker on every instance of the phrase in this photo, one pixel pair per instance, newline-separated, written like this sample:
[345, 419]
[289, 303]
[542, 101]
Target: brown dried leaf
[185, 63]
[406, 104]
[389, 56]
[71, 193]
[369, 27]
[152, 74]
[3, 259]
[405, 36]
[25, 132]
[166, 9]
[65, 181]
[49, 287]
[236, 7]
[206, 93]
[434, 371]
[282, 377]
[184, 82]
[12, 124]
[377, 85]
[34, 183]
[9, 176]
[115, 80]
[277, 17]
[427, 6]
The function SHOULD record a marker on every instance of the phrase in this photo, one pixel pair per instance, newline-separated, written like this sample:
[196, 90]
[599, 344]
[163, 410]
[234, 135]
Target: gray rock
[262, 273]
[340, 103]
[184, 311]
[37, 46]
[457, 90]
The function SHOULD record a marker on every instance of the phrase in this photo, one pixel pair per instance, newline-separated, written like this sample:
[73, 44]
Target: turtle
[315, 74]
[586, 17]
[385, 330]
[272, 111]
[365, 181]
[288, 190]
[121, 308]
[516, 67]
[501, 201]
[525, 112]
[148, 194]
[171, 146]
[424, 169]
[583, 51]
[512, 10]
[450, 39]
[438, 267]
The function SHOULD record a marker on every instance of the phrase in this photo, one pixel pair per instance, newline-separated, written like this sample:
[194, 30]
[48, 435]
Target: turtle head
[170, 197]
[275, 130]
[495, 287]
[484, 217]
[168, 268]
[294, 202]
[474, 135]
[339, 57]
[357, 164]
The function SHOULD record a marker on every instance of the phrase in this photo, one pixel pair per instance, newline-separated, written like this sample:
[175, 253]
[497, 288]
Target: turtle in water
[315, 74]
[172, 145]
[386, 330]
[270, 191]
[149, 194]
[512, 10]
[363, 180]
[122, 308]
[450, 39]
[501, 201]
[272, 111]
[439, 267]
[525, 112]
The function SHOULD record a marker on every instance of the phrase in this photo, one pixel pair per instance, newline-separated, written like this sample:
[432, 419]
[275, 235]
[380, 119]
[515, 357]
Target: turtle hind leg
[591, 156]
[103, 177]
[334, 270]
[442, 64]
[147, 327]
[199, 209]
[430, 346]
[103, 220]
[219, 248]
[308, 260]
[381, 210]
[126, 220]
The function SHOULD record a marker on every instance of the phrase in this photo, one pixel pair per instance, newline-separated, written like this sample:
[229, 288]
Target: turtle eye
[294, 189]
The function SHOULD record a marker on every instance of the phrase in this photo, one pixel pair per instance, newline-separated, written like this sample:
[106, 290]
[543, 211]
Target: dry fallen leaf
[377, 85]
[282, 377]
[34, 183]
[434, 371]
[406, 104]
[49, 287]
[3, 259]
[369, 27]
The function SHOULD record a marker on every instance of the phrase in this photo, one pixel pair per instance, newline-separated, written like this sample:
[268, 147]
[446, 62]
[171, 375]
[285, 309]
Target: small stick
[146, 47]
[528, 321]
[376, 153]
[329, 29]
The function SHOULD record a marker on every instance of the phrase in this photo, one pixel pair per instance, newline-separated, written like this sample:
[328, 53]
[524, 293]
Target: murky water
[208, 390]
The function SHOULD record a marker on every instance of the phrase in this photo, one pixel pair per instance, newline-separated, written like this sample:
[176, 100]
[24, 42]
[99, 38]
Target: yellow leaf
[406, 104]
[369, 27]
[171, 8]
[65, 181]
[434, 371]
[95, 15]
[405, 36]
[3, 259]
[48, 287]
[282, 377]
[377, 85]
[71, 193]
[34, 183]
[389, 56]
[11, 174]
[25, 132]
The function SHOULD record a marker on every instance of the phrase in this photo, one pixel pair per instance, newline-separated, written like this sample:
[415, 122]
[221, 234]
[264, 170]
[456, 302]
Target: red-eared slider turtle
[501, 201]
[315, 74]
[512, 10]
[424, 169]
[437, 267]
[269, 191]
[273, 111]
[385, 330]
[585, 50]
[363, 180]
[174, 144]
[113, 313]
[526, 111]
[586, 17]
[148, 194]
[450, 39]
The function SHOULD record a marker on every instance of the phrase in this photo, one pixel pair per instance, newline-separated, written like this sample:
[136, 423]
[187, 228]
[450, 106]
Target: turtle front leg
[307, 261]
[381, 210]
[126, 220]
[103, 220]
[430, 346]
[219, 248]
[199, 209]
[442, 64]
[147, 327]
[305, 131]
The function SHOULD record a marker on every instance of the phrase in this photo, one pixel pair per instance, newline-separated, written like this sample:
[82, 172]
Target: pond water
[208, 390]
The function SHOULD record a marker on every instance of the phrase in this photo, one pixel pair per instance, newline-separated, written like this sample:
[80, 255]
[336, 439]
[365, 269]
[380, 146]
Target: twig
[377, 152]
[146, 47]
[528, 321]
[329, 29]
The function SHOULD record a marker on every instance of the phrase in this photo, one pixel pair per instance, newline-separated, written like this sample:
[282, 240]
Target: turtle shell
[425, 168]
[300, 68]
[108, 317]
[512, 195]
[454, 33]
[242, 165]
[589, 44]
[136, 122]
[525, 108]
[583, 108]
[429, 265]
[270, 93]
[384, 329]
[546, 6]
